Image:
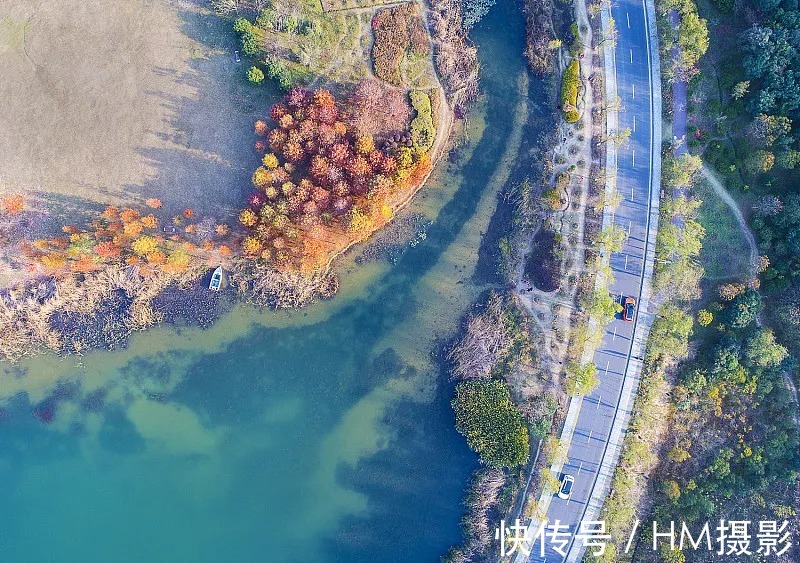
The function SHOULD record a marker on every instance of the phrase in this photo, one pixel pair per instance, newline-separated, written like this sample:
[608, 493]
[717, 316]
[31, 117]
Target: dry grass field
[117, 101]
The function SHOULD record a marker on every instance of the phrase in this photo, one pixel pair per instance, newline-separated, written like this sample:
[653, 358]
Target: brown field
[116, 101]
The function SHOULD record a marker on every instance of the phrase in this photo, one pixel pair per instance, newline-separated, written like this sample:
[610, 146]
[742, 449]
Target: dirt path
[720, 190]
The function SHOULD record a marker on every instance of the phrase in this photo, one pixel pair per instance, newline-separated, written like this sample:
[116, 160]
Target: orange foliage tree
[13, 204]
[324, 184]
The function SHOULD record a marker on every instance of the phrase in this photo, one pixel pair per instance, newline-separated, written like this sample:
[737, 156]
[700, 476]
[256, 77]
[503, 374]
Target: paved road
[635, 167]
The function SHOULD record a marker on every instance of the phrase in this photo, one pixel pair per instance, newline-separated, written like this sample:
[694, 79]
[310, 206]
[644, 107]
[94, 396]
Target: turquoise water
[315, 435]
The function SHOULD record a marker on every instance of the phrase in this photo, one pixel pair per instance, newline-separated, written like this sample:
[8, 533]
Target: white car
[565, 490]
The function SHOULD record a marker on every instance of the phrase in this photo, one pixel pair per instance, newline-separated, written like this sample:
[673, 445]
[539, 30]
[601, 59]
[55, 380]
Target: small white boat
[216, 280]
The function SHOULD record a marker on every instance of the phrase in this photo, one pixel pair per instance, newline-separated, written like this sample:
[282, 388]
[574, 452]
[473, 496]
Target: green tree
[602, 306]
[680, 172]
[740, 89]
[672, 489]
[570, 83]
[581, 379]
[290, 24]
[613, 238]
[266, 18]
[744, 309]
[620, 138]
[762, 350]
[788, 159]
[538, 412]
[692, 39]
[767, 130]
[704, 317]
[255, 75]
[671, 555]
[760, 161]
[670, 332]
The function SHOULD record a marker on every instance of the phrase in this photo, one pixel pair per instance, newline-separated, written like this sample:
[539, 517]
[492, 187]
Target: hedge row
[423, 130]
[570, 82]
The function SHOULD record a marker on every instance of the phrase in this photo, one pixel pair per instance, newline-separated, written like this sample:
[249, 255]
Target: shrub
[570, 82]
[491, 424]
[397, 30]
[255, 75]
[378, 107]
[423, 132]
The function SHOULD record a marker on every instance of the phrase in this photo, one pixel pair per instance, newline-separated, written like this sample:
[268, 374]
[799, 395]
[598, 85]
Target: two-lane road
[637, 166]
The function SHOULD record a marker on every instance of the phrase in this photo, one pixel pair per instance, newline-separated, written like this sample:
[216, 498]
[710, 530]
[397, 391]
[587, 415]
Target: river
[323, 434]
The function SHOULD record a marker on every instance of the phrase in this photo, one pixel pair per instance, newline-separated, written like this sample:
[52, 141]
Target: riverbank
[96, 286]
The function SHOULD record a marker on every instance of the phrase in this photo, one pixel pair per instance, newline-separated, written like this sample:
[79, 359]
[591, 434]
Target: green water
[315, 435]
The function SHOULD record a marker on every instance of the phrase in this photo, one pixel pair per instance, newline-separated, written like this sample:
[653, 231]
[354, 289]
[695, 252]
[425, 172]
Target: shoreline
[121, 299]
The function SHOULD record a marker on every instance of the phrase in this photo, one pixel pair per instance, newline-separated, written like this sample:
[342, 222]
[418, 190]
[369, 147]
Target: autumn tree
[376, 107]
[12, 204]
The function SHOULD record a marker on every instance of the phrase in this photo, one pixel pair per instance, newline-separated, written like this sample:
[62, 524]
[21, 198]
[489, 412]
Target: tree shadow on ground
[209, 157]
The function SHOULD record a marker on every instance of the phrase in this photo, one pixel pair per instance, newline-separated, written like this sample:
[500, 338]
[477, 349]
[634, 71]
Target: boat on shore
[216, 280]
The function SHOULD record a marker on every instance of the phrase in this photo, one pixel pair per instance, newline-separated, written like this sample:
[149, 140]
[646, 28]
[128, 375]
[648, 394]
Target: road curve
[596, 424]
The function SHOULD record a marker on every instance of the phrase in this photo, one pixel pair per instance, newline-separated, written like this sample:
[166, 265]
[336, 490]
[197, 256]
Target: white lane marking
[634, 124]
[589, 439]
[630, 224]
[633, 91]
[631, 51]
[628, 16]
[579, 470]
[626, 261]
[606, 372]
[597, 408]
[614, 338]
[631, 193]
[633, 159]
